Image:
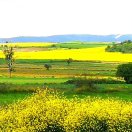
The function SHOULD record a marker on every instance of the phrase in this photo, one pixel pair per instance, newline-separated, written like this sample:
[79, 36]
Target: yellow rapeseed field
[47, 111]
[95, 54]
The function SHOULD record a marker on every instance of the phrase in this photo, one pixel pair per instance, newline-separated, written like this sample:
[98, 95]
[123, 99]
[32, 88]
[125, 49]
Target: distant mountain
[68, 38]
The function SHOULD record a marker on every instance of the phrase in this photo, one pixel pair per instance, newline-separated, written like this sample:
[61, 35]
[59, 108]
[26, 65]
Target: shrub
[47, 111]
[47, 66]
[79, 81]
[70, 60]
[9, 87]
[53, 46]
[125, 71]
[83, 85]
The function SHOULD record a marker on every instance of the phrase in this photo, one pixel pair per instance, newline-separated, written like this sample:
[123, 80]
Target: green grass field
[80, 45]
[9, 97]
[25, 80]
[34, 76]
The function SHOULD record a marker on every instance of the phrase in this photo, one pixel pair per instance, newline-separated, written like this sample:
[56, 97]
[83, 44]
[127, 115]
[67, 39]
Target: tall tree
[9, 53]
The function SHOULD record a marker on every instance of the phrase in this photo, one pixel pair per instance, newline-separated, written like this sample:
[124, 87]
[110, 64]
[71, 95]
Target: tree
[47, 66]
[69, 61]
[125, 71]
[53, 46]
[9, 53]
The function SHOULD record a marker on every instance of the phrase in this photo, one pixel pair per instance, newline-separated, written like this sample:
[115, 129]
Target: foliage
[125, 71]
[15, 88]
[9, 53]
[47, 66]
[124, 47]
[53, 46]
[89, 85]
[48, 111]
[80, 82]
[70, 60]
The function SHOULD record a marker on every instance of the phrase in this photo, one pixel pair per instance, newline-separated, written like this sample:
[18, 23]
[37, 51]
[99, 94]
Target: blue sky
[52, 17]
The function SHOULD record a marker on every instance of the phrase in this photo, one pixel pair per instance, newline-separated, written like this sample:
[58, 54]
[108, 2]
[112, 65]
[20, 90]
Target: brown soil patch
[31, 49]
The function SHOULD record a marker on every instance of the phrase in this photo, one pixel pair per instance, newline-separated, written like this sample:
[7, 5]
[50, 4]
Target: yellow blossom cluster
[47, 111]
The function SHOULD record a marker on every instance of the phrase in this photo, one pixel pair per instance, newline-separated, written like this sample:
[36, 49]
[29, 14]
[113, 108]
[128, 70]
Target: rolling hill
[68, 38]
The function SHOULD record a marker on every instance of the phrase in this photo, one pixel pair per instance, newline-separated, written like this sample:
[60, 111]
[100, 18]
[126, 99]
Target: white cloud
[49, 17]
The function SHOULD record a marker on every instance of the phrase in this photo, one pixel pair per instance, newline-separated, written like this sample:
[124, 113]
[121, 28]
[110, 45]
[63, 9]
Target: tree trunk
[10, 68]
[10, 74]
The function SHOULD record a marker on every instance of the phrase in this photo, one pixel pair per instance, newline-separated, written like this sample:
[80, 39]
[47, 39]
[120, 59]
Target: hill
[69, 38]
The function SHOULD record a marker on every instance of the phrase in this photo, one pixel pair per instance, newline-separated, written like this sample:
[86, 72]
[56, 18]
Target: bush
[83, 85]
[70, 60]
[13, 88]
[48, 111]
[47, 66]
[80, 82]
[125, 71]
[86, 88]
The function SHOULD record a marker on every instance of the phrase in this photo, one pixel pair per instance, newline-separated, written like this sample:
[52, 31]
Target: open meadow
[88, 81]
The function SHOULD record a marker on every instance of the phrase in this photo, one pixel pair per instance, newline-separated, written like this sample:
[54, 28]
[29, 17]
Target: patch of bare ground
[31, 49]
